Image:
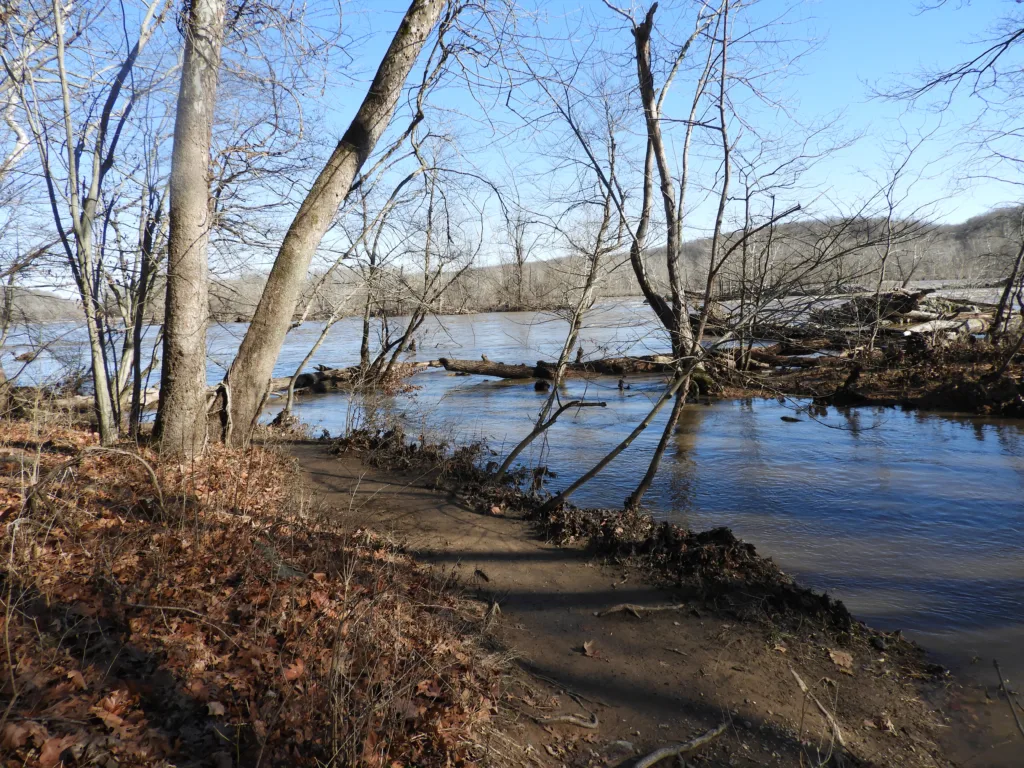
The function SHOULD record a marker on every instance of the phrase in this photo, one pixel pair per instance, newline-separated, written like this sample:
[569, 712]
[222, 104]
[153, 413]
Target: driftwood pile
[906, 314]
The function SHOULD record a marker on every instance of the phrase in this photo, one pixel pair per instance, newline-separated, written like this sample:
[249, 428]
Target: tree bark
[248, 377]
[181, 418]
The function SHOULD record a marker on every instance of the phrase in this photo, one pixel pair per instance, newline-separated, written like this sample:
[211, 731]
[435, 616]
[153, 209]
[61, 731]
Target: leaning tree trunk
[181, 418]
[247, 380]
[556, 501]
[634, 499]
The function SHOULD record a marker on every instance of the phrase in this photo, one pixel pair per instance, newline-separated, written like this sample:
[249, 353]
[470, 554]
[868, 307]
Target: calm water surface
[916, 521]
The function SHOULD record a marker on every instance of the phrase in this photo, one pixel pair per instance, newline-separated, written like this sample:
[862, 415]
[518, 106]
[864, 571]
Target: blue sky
[858, 44]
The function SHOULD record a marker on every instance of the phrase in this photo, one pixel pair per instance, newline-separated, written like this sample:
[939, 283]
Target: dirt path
[661, 678]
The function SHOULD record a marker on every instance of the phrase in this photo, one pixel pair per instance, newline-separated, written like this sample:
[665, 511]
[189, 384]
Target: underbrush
[208, 613]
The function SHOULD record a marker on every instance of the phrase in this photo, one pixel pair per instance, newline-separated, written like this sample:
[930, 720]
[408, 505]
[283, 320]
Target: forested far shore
[975, 253]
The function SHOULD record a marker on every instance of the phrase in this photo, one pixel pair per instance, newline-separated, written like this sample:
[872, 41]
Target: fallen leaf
[294, 672]
[14, 736]
[842, 659]
[589, 651]
[53, 748]
[76, 677]
[429, 688]
[110, 719]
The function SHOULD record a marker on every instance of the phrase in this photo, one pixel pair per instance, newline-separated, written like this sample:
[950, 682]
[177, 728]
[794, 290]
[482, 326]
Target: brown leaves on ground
[842, 659]
[235, 622]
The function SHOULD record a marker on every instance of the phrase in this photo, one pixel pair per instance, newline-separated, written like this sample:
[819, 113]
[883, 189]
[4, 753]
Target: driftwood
[29, 397]
[321, 380]
[871, 308]
[610, 366]
[960, 325]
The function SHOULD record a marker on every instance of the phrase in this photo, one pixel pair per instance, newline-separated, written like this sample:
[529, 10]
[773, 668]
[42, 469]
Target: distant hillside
[976, 251]
[36, 306]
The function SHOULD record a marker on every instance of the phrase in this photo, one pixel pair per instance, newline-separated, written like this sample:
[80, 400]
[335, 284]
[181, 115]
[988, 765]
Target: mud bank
[662, 633]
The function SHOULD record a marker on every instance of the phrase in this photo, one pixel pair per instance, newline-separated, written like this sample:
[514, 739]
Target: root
[636, 610]
[681, 749]
[576, 720]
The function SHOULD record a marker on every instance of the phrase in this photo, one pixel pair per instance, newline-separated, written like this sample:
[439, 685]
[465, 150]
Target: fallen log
[500, 370]
[960, 325]
[609, 366]
[33, 397]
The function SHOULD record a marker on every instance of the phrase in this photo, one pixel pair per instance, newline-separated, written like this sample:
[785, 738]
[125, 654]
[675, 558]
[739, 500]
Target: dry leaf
[13, 736]
[294, 672]
[53, 748]
[110, 719]
[215, 708]
[429, 688]
[589, 651]
[842, 659]
[76, 677]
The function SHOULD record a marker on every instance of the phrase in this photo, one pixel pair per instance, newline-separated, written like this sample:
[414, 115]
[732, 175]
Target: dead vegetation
[206, 613]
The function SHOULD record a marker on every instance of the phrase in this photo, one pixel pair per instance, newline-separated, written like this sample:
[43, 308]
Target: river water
[915, 521]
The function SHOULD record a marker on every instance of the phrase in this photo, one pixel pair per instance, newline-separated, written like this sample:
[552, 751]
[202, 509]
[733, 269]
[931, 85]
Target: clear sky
[859, 43]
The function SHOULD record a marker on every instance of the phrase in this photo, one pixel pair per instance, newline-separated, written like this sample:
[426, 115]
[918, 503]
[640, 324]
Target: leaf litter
[232, 623]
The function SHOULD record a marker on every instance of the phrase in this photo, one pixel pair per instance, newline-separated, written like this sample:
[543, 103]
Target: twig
[681, 749]
[592, 723]
[824, 712]
[636, 610]
[1009, 701]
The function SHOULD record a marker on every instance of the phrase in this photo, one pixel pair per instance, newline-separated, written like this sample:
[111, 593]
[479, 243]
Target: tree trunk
[247, 380]
[633, 502]
[181, 418]
[106, 423]
[139, 325]
[555, 501]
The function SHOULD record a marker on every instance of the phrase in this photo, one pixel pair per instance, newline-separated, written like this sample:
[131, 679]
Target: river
[914, 520]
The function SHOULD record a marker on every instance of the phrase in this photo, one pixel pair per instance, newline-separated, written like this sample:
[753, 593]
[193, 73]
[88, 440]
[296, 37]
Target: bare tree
[181, 419]
[89, 144]
[245, 386]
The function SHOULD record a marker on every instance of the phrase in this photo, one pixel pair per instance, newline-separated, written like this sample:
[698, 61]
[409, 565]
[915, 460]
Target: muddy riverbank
[660, 646]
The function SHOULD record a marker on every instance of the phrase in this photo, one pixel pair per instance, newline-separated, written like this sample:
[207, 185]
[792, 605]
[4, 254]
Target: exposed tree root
[577, 720]
[681, 749]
